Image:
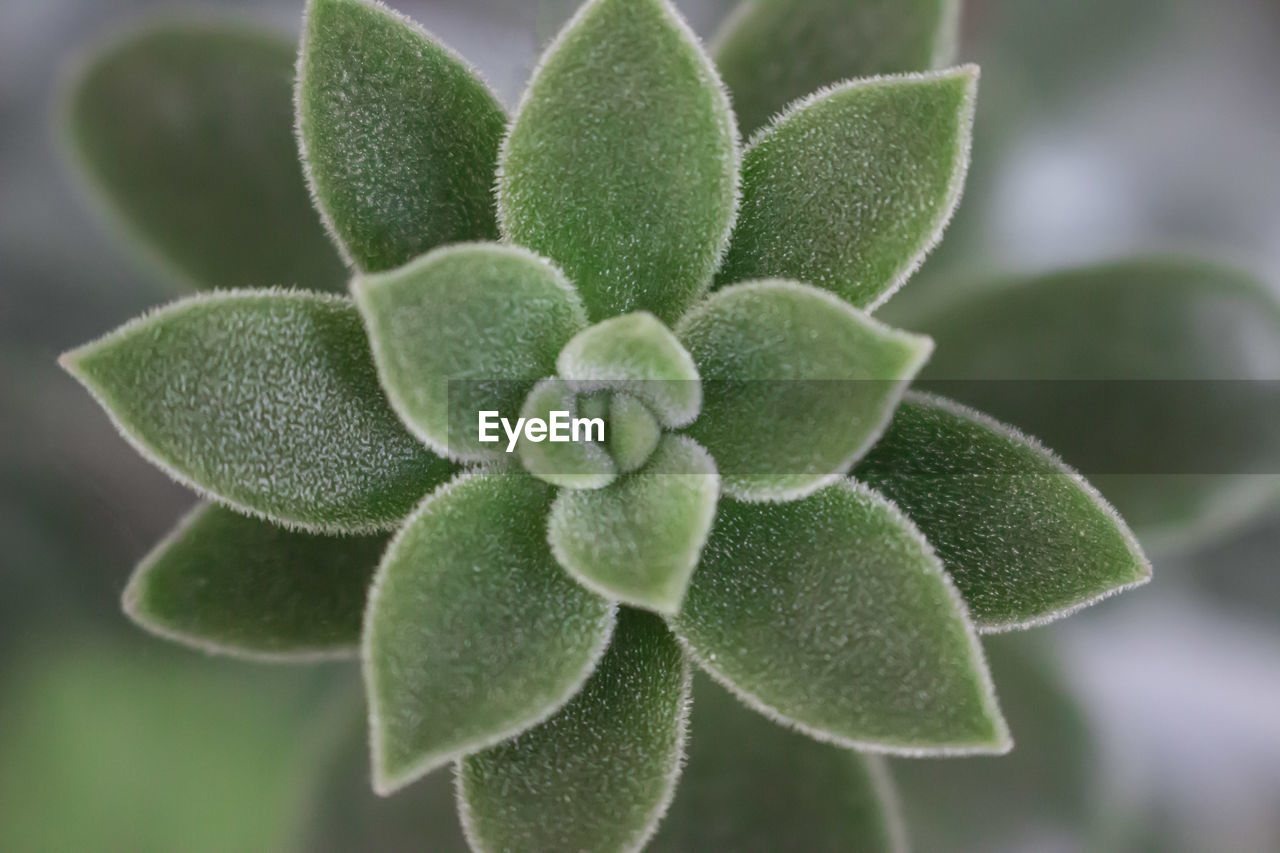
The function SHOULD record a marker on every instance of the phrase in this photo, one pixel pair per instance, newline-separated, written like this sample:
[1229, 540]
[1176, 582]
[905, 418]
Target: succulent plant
[763, 500]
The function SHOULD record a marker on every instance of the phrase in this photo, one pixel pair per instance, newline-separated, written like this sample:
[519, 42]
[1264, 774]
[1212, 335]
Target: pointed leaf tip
[772, 52]
[228, 584]
[266, 400]
[599, 774]
[185, 131]
[1024, 537]
[473, 633]
[399, 136]
[832, 615]
[622, 162]
[852, 187]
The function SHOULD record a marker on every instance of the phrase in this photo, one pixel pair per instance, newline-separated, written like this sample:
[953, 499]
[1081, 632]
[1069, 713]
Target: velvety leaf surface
[622, 163]
[796, 385]
[399, 135]
[266, 400]
[473, 632]
[850, 189]
[1024, 537]
[573, 464]
[640, 355]
[752, 786]
[599, 774]
[186, 132]
[464, 329]
[223, 582]
[633, 432]
[1153, 377]
[638, 540]
[832, 615]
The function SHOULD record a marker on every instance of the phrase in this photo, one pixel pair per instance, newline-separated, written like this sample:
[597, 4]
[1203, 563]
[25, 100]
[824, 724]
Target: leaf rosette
[762, 502]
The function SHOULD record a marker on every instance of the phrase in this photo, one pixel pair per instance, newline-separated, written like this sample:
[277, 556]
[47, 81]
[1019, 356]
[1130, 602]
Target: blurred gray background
[1105, 129]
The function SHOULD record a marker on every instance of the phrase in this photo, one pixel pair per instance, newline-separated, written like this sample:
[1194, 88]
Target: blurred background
[1150, 722]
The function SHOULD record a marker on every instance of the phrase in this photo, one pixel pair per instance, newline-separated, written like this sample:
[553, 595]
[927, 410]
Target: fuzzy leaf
[796, 385]
[598, 775]
[633, 432]
[186, 132]
[752, 786]
[638, 540]
[622, 163]
[222, 582]
[637, 354]
[266, 400]
[572, 464]
[1154, 377]
[465, 329]
[399, 136]
[1024, 537]
[473, 633]
[850, 189]
[772, 52]
[833, 615]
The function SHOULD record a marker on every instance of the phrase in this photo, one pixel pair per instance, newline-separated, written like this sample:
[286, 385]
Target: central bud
[631, 432]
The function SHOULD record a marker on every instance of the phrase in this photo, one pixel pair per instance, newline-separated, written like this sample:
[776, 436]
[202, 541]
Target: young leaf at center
[473, 632]
[832, 614]
[622, 162]
[599, 774]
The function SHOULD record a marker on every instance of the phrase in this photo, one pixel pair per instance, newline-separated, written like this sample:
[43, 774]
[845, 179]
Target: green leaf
[832, 615]
[633, 432]
[796, 385]
[772, 52]
[266, 400]
[473, 632]
[399, 136]
[638, 540]
[222, 582]
[185, 131]
[622, 162]
[751, 785]
[1024, 537]
[1154, 377]
[570, 465]
[850, 189]
[598, 775]
[635, 353]
[465, 329]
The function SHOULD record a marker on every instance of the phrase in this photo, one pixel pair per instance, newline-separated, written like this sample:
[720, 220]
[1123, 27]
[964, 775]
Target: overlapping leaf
[187, 132]
[850, 189]
[622, 163]
[600, 773]
[266, 400]
[832, 615]
[399, 136]
[223, 582]
[473, 632]
[466, 329]
[1025, 539]
[796, 385]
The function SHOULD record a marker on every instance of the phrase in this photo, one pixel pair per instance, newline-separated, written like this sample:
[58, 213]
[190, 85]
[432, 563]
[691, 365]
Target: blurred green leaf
[226, 583]
[186, 131]
[474, 633]
[850, 190]
[622, 163]
[784, 419]
[752, 786]
[832, 615]
[399, 136]
[266, 400]
[1025, 539]
[1155, 378]
[772, 52]
[599, 774]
